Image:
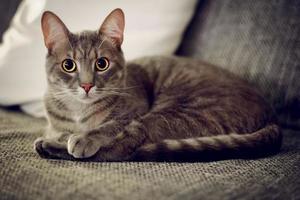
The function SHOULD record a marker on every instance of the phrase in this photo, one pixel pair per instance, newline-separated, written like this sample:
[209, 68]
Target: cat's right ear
[54, 30]
[113, 26]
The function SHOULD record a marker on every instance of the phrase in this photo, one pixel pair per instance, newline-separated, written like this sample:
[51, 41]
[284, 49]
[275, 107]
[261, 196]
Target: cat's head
[85, 65]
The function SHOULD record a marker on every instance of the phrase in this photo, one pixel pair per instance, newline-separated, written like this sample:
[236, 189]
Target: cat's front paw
[50, 148]
[82, 146]
[40, 147]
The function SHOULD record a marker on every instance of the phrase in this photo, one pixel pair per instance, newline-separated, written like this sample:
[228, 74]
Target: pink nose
[87, 86]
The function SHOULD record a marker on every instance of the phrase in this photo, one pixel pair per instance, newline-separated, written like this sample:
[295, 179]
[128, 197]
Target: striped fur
[262, 142]
[153, 108]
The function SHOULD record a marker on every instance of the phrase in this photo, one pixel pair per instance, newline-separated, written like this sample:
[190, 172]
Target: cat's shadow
[184, 157]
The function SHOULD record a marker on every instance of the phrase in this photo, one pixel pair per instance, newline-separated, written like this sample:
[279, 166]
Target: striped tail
[263, 142]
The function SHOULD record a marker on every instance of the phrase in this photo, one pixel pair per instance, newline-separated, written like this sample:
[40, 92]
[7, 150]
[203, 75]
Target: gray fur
[153, 108]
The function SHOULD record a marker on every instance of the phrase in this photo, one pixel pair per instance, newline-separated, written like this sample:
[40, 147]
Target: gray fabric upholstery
[26, 176]
[256, 39]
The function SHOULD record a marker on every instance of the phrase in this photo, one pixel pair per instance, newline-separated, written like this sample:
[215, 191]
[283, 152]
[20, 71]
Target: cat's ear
[113, 26]
[54, 30]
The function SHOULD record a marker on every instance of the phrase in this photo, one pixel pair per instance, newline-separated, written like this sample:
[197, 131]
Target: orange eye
[102, 64]
[68, 65]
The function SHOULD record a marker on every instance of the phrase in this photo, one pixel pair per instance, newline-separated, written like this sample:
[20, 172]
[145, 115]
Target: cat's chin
[86, 99]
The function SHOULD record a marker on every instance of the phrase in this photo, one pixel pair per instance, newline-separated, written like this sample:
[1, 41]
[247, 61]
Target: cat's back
[193, 81]
[165, 69]
[165, 63]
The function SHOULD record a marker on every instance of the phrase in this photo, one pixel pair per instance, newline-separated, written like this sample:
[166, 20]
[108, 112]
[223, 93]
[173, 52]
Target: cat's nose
[87, 86]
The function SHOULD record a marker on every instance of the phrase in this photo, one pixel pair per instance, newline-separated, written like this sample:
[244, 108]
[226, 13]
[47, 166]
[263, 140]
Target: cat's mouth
[86, 98]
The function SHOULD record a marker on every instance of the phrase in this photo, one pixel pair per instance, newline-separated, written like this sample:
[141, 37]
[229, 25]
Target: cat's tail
[263, 142]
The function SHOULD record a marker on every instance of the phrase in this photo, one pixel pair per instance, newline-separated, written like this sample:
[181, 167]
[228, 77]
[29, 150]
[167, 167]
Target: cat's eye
[102, 64]
[68, 65]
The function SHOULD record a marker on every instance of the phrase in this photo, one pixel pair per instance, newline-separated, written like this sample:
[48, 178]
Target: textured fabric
[26, 176]
[257, 39]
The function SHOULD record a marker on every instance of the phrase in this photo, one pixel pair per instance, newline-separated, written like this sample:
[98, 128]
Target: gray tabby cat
[154, 108]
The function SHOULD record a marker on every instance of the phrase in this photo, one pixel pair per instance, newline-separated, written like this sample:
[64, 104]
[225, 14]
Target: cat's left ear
[113, 26]
[54, 30]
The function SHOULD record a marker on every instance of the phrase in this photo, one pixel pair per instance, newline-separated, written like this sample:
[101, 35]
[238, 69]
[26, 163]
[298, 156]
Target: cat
[159, 108]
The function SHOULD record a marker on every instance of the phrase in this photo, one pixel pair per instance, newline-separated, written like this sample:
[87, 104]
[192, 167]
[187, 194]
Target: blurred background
[152, 28]
[258, 40]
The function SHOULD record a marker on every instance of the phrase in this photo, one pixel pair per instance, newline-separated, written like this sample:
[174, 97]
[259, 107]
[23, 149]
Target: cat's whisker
[115, 93]
[121, 88]
[60, 93]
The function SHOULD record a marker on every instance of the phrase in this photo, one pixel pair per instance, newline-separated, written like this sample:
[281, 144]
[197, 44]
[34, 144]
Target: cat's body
[154, 108]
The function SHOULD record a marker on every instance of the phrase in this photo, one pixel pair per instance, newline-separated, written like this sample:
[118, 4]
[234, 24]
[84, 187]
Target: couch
[256, 39]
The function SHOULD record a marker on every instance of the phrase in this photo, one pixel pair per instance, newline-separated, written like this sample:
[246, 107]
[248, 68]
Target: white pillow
[151, 28]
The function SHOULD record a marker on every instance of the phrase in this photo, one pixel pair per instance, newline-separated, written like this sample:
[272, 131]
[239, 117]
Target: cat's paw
[82, 146]
[50, 148]
[40, 147]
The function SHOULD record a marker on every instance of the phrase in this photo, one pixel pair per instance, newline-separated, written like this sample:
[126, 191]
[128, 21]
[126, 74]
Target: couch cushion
[256, 39]
[24, 175]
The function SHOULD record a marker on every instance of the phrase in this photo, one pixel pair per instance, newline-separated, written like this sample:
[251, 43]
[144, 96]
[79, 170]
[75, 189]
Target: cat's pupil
[69, 64]
[102, 63]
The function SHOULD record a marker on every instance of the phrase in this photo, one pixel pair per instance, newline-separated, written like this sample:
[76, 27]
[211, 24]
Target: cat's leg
[124, 144]
[85, 145]
[52, 145]
[114, 144]
[158, 124]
